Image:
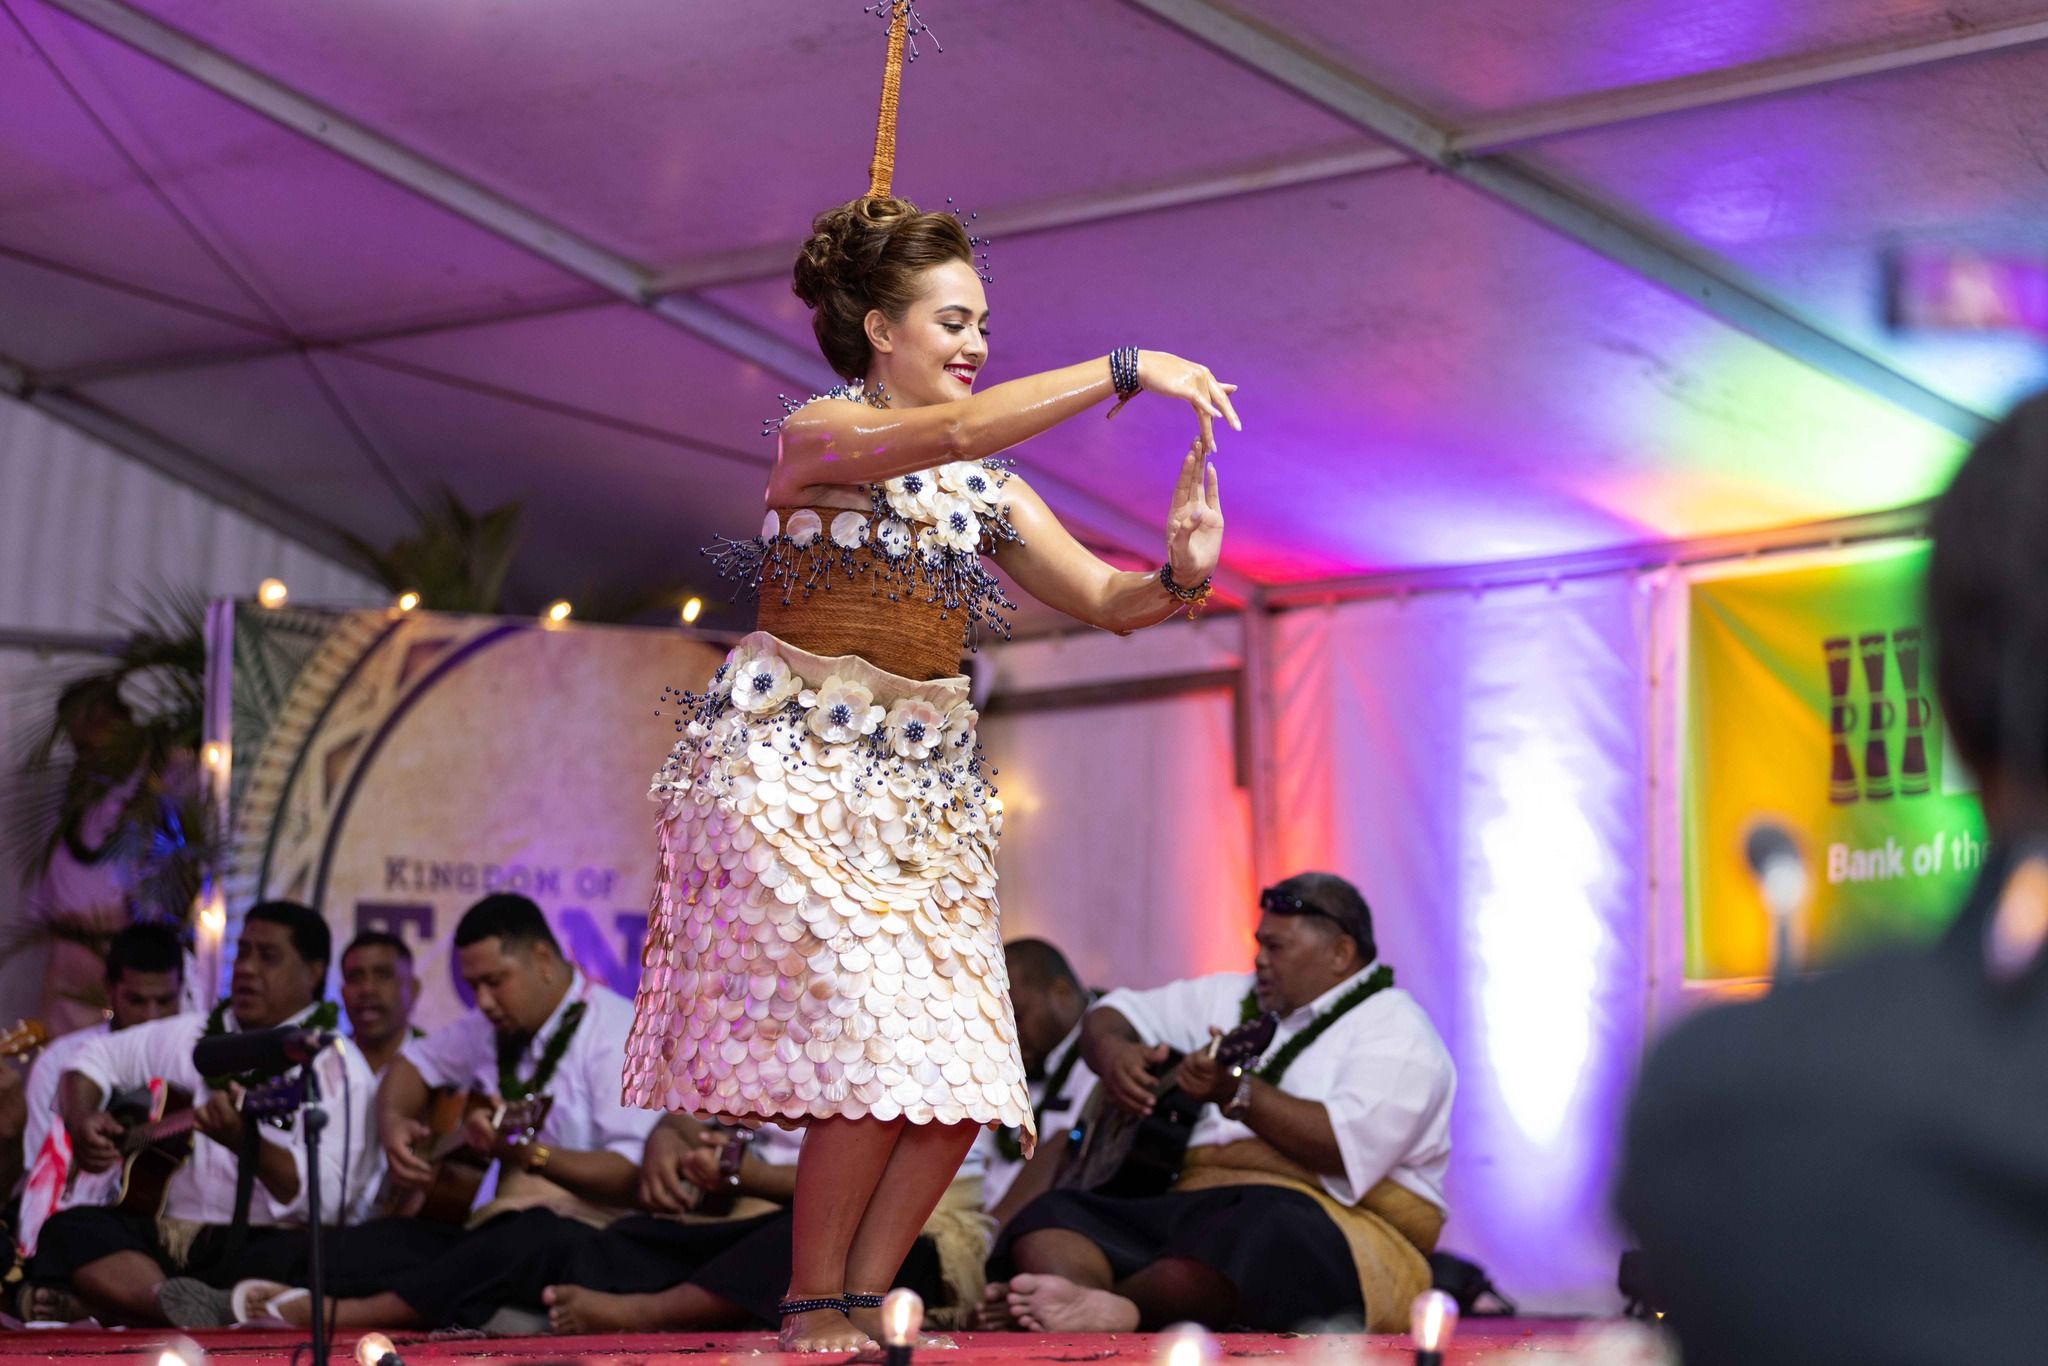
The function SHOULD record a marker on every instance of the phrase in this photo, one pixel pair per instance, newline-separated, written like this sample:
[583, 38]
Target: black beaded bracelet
[1195, 597]
[1123, 372]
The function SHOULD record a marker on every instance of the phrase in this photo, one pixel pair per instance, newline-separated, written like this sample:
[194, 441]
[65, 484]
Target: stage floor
[1478, 1341]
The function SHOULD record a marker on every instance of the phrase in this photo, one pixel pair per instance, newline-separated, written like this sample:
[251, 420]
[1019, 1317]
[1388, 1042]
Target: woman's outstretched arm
[1049, 564]
[840, 442]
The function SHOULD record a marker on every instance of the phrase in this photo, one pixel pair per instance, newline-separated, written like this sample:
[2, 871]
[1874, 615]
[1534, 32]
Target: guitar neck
[157, 1130]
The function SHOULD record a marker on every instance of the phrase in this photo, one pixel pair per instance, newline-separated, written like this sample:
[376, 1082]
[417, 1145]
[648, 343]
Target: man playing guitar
[541, 1031]
[117, 1262]
[1312, 1188]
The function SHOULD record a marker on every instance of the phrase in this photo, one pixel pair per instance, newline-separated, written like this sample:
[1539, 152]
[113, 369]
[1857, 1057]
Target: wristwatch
[1240, 1103]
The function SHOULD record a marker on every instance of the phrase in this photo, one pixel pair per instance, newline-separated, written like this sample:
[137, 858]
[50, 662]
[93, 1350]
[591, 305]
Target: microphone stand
[316, 1119]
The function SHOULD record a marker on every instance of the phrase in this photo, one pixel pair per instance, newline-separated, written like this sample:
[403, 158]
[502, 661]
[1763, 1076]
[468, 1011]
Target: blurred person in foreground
[1854, 1169]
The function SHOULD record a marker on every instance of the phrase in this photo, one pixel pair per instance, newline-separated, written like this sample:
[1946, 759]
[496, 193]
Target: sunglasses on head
[1277, 902]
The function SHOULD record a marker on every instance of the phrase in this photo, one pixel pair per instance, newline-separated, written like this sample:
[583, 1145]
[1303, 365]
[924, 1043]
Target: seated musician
[681, 1267]
[541, 1028]
[211, 1226]
[145, 975]
[1313, 1186]
[379, 991]
[1050, 1001]
[648, 1274]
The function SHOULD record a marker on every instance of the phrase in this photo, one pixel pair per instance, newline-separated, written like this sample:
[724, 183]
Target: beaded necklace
[510, 1049]
[1275, 1067]
[323, 1018]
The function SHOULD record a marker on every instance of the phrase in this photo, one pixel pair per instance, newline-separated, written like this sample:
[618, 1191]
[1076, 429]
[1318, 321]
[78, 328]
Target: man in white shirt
[1313, 1188]
[379, 991]
[116, 1261]
[540, 1028]
[145, 976]
[1050, 1001]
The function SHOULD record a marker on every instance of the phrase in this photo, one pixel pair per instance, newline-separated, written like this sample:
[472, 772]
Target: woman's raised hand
[1161, 373]
[1194, 525]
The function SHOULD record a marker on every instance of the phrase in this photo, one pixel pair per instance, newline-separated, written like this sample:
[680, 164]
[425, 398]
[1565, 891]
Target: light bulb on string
[181, 1352]
[1432, 1323]
[692, 609]
[902, 1318]
[272, 593]
[558, 612]
[213, 914]
[407, 601]
[1187, 1344]
[374, 1349]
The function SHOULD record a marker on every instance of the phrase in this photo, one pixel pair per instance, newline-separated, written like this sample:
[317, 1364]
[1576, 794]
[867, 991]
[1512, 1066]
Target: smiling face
[933, 353]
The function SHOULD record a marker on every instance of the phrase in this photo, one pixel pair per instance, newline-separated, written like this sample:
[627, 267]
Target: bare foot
[823, 1330]
[1054, 1304]
[52, 1304]
[993, 1314]
[577, 1309]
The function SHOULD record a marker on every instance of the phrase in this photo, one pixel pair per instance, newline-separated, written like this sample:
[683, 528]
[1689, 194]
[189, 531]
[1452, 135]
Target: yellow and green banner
[1811, 703]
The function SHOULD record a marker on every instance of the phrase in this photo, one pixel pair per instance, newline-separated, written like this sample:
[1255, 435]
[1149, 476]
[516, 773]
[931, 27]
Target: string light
[181, 1352]
[272, 593]
[692, 609]
[902, 1317]
[216, 756]
[558, 611]
[374, 1349]
[213, 914]
[408, 600]
[1432, 1323]
[1187, 1344]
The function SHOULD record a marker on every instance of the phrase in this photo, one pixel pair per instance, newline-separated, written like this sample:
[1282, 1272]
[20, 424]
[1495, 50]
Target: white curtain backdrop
[1126, 840]
[84, 533]
[1478, 766]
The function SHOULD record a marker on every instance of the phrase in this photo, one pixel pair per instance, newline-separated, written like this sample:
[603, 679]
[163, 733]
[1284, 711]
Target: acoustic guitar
[458, 1168]
[1118, 1153]
[156, 1138]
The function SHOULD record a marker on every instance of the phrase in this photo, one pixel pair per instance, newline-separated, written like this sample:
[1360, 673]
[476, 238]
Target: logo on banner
[1870, 725]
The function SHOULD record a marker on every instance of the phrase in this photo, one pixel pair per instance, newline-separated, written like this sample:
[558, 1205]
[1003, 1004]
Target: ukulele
[458, 1168]
[25, 1038]
[719, 1202]
[1118, 1153]
[156, 1138]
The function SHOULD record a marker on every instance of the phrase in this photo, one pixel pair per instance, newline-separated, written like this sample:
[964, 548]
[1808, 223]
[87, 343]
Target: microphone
[1780, 872]
[260, 1050]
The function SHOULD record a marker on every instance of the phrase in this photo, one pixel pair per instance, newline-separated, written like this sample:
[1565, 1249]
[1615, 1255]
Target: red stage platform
[72, 1347]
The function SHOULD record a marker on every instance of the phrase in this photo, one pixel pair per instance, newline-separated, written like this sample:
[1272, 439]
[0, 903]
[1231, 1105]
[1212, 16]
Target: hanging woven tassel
[882, 170]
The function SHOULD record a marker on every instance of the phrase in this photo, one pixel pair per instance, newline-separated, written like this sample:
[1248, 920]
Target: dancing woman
[824, 948]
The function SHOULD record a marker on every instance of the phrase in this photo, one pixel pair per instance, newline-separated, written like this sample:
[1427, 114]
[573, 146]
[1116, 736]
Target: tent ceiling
[438, 276]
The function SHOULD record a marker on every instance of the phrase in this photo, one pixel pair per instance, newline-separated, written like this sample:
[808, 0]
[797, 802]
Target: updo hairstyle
[868, 254]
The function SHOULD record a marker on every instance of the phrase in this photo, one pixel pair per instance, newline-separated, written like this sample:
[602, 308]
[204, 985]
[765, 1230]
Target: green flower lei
[510, 1049]
[1275, 1067]
[324, 1017]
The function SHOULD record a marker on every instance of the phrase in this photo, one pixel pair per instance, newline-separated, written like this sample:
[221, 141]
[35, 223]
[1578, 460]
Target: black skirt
[1288, 1261]
[746, 1262]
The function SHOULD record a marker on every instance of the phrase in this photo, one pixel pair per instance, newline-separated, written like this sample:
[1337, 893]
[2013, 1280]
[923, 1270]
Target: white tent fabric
[86, 533]
[1478, 766]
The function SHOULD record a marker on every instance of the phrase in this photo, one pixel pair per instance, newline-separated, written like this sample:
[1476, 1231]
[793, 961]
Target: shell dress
[824, 937]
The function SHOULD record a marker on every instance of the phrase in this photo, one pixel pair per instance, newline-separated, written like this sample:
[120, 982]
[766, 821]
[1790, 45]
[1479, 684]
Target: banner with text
[1811, 702]
[393, 768]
